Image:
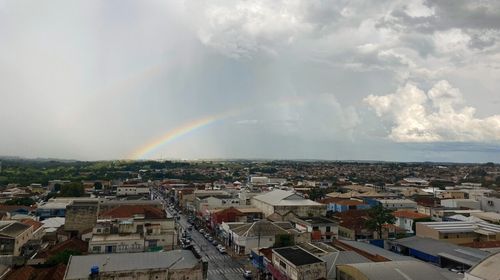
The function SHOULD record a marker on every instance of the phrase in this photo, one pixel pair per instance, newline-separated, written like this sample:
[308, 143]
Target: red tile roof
[129, 211]
[409, 214]
[329, 200]
[73, 244]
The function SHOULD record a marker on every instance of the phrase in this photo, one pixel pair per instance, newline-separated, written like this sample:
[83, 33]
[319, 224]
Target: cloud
[436, 116]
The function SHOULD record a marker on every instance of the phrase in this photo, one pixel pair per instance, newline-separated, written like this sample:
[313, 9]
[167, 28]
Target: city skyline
[334, 80]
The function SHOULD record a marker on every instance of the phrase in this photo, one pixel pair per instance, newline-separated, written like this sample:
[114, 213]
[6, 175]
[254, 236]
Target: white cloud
[436, 116]
[240, 28]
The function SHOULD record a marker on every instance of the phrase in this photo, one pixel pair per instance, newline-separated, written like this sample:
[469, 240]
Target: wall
[80, 217]
[490, 204]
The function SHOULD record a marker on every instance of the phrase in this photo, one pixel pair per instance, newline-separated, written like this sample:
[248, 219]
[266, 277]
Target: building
[13, 236]
[459, 232]
[398, 203]
[461, 203]
[321, 229]
[51, 210]
[132, 229]
[341, 257]
[487, 269]
[406, 219]
[297, 264]
[342, 205]
[81, 215]
[243, 237]
[175, 265]
[127, 190]
[490, 204]
[283, 202]
[439, 253]
[395, 270]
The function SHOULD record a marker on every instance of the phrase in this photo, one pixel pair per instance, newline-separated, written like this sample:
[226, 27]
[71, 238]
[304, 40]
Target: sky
[284, 79]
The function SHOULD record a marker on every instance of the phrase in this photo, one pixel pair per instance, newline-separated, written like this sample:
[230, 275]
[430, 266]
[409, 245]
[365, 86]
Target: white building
[398, 203]
[283, 202]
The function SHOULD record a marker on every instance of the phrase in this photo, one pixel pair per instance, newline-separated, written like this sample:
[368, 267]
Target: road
[219, 266]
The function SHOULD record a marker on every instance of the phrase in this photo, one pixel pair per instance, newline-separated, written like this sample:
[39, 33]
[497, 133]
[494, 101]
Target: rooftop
[469, 256]
[297, 256]
[409, 214]
[452, 227]
[283, 198]
[12, 229]
[487, 268]
[398, 270]
[79, 266]
[129, 211]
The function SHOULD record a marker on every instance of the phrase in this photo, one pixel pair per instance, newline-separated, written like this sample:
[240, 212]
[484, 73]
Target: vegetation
[378, 217]
[62, 257]
[25, 201]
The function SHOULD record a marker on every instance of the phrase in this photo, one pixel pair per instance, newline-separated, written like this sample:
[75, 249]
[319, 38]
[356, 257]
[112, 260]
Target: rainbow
[172, 135]
[194, 125]
[178, 132]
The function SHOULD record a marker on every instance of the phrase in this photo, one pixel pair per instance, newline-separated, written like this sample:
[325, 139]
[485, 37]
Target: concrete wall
[81, 216]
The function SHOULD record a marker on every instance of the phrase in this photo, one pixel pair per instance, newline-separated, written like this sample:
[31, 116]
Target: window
[96, 248]
[315, 228]
[328, 229]
[283, 264]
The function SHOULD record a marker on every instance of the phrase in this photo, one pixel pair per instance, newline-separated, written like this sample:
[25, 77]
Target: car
[210, 239]
[202, 231]
[207, 235]
[190, 228]
[215, 243]
[247, 274]
[222, 250]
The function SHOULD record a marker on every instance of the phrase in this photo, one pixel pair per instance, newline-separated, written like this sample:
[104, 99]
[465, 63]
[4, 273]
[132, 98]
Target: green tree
[26, 201]
[63, 257]
[72, 190]
[379, 216]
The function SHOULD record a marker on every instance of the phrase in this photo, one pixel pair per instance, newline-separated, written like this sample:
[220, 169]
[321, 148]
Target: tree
[72, 190]
[379, 216]
[63, 257]
[316, 193]
[97, 186]
[26, 201]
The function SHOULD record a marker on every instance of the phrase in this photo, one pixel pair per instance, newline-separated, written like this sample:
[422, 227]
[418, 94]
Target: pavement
[220, 266]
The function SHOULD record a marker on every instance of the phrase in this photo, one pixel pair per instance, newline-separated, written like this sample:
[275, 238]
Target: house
[175, 265]
[490, 204]
[132, 229]
[243, 237]
[81, 215]
[297, 264]
[126, 190]
[282, 202]
[13, 236]
[397, 203]
[232, 214]
[461, 203]
[342, 205]
[459, 232]
[321, 229]
[406, 219]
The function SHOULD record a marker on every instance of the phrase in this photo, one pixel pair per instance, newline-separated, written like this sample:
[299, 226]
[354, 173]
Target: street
[220, 266]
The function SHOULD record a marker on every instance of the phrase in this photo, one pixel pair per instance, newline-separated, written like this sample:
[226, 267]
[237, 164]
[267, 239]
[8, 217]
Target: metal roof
[374, 250]
[79, 266]
[487, 269]
[469, 256]
[398, 270]
[341, 257]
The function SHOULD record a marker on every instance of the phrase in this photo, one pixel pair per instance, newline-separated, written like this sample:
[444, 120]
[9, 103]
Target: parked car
[215, 243]
[207, 235]
[190, 228]
[247, 274]
[202, 231]
[210, 239]
[222, 250]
